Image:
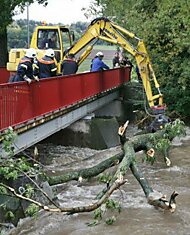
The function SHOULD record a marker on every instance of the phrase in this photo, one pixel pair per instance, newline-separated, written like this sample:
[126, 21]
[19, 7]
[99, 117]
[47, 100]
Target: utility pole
[28, 32]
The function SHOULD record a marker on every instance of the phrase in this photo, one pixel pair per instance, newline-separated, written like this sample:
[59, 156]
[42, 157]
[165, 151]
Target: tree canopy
[7, 9]
[164, 25]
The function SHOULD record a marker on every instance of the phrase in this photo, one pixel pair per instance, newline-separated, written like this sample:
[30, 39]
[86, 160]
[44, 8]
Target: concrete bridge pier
[98, 130]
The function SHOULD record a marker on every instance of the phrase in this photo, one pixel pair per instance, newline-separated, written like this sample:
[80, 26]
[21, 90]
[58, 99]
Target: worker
[44, 43]
[25, 69]
[92, 62]
[124, 61]
[138, 74]
[52, 43]
[116, 60]
[98, 64]
[46, 66]
[69, 65]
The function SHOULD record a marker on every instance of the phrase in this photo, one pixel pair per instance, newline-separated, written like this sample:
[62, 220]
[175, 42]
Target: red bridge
[42, 108]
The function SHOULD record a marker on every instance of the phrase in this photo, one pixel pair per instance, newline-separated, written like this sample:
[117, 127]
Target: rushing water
[137, 216]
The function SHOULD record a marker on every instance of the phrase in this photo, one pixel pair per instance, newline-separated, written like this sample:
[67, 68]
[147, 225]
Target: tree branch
[71, 210]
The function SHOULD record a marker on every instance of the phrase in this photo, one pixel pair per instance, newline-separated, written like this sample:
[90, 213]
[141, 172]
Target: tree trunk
[86, 173]
[3, 47]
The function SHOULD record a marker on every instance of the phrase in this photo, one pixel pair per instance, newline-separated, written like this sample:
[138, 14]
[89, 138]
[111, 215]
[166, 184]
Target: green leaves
[13, 168]
[9, 215]
[163, 146]
[111, 220]
[176, 128]
[8, 172]
[98, 214]
[29, 191]
[103, 211]
[3, 190]
[112, 204]
[32, 210]
[162, 143]
[104, 177]
[8, 140]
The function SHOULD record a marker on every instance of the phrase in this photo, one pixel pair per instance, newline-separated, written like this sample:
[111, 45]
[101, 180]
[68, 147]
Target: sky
[58, 11]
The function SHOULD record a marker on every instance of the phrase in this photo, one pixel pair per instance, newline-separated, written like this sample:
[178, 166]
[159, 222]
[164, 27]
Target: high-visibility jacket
[24, 69]
[45, 67]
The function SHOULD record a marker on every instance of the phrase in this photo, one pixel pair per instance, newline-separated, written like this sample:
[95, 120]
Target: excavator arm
[104, 29]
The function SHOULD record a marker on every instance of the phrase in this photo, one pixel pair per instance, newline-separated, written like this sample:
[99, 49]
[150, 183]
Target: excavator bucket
[158, 123]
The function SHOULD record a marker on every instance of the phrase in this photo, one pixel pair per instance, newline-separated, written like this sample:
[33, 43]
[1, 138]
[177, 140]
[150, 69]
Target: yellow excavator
[61, 40]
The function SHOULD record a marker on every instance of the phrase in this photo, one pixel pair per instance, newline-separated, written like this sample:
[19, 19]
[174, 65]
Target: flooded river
[137, 217]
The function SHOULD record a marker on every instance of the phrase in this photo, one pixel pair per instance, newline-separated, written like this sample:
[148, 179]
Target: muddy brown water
[137, 216]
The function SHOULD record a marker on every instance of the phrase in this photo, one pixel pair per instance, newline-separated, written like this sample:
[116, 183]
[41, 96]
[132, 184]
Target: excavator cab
[49, 39]
[59, 38]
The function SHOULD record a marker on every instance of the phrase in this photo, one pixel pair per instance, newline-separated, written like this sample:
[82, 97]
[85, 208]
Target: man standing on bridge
[98, 64]
[25, 69]
[69, 65]
[116, 60]
[46, 67]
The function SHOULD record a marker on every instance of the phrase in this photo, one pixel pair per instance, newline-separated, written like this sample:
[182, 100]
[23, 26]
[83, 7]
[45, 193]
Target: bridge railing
[20, 102]
[4, 75]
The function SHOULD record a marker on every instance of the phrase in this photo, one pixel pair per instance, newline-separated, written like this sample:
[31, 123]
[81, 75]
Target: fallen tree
[151, 144]
[159, 141]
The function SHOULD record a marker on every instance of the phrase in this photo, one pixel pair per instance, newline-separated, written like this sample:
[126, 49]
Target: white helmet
[31, 53]
[99, 54]
[50, 53]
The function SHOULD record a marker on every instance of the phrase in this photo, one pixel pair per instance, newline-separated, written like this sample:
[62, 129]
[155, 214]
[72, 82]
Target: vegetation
[12, 172]
[165, 27]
